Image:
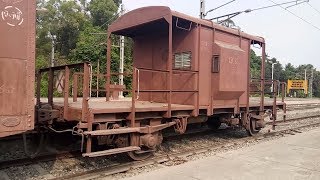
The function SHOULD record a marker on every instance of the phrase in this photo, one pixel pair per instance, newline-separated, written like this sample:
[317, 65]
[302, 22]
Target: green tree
[63, 19]
[103, 11]
[255, 65]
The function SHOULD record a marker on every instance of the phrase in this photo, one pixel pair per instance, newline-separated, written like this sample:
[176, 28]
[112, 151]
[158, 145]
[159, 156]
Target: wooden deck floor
[99, 105]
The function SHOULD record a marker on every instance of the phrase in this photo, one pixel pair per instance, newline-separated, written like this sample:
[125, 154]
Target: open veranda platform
[291, 157]
[124, 105]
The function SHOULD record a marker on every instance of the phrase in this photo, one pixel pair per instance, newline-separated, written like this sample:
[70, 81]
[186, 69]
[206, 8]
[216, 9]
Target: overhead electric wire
[316, 27]
[313, 7]
[218, 7]
[109, 20]
[260, 8]
[290, 2]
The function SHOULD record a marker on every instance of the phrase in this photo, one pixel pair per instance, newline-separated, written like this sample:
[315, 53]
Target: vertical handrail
[274, 107]
[66, 92]
[133, 101]
[85, 104]
[262, 77]
[75, 88]
[197, 99]
[85, 95]
[107, 86]
[197, 78]
[284, 104]
[246, 115]
[90, 81]
[138, 83]
[170, 67]
[50, 86]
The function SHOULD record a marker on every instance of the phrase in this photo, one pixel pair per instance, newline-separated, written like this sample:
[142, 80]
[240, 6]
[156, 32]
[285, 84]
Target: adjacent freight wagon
[17, 66]
[185, 70]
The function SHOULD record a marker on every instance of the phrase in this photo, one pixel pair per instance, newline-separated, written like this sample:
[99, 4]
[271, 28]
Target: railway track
[179, 156]
[159, 159]
[303, 106]
[38, 159]
[279, 122]
[77, 153]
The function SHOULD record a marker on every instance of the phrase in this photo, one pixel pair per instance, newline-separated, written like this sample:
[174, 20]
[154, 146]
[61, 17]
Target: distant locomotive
[185, 70]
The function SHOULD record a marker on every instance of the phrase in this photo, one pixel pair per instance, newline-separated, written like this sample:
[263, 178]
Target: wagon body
[214, 73]
[185, 70]
[17, 66]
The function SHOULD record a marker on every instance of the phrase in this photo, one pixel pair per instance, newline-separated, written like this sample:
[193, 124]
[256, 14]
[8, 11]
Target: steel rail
[159, 159]
[107, 171]
[294, 119]
[38, 159]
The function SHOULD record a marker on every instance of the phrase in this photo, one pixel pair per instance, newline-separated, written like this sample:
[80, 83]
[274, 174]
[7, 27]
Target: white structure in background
[53, 38]
[202, 9]
[121, 56]
[272, 74]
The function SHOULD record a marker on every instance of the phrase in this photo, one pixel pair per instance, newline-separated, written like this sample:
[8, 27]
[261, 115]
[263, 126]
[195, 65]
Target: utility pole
[121, 56]
[272, 72]
[311, 82]
[305, 74]
[52, 52]
[53, 38]
[202, 9]
[98, 76]
[305, 80]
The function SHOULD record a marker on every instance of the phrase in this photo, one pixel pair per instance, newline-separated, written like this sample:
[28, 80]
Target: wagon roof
[152, 13]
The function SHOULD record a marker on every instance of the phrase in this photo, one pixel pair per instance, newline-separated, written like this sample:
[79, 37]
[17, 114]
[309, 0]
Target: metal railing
[273, 92]
[98, 89]
[86, 77]
[85, 67]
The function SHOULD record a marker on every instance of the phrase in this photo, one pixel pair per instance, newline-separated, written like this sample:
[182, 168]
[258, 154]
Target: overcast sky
[288, 38]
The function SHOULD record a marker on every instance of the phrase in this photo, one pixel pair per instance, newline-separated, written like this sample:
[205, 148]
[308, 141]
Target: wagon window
[215, 64]
[182, 61]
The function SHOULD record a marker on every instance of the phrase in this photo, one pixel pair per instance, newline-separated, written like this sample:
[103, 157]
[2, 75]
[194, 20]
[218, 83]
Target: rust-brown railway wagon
[17, 67]
[185, 70]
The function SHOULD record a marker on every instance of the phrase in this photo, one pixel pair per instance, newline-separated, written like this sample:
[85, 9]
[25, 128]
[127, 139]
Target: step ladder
[111, 131]
[112, 151]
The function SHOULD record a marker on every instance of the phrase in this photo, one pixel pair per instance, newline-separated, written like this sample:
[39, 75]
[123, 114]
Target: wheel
[214, 123]
[144, 153]
[253, 129]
